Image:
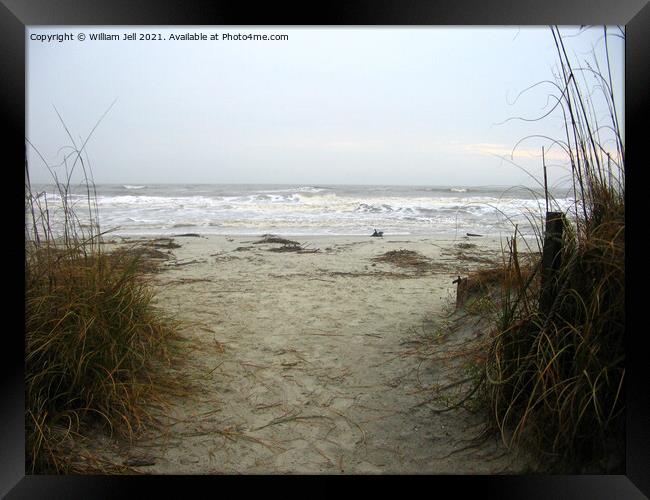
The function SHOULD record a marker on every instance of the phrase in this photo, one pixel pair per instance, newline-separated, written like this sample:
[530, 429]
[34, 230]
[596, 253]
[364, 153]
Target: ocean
[166, 209]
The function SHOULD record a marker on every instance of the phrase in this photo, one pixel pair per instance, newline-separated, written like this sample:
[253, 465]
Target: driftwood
[472, 234]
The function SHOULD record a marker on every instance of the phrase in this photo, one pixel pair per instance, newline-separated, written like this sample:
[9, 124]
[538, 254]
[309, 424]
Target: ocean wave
[366, 208]
[312, 209]
[310, 189]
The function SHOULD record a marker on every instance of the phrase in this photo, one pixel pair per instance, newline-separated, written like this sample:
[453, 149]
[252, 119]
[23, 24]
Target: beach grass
[553, 378]
[96, 347]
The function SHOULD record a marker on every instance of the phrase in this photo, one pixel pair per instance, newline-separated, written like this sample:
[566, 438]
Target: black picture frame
[15, 15]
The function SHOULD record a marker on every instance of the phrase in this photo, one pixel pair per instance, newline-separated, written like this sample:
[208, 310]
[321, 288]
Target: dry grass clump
[405, 258]
[287, 245]
[512, 275]
[554, 378]
[93, 345]
[554, 374]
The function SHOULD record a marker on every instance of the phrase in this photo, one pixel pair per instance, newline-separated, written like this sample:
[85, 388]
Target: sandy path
[302, 361]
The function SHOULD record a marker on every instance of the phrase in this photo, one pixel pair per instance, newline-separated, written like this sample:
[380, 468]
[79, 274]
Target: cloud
[553, 153]
[493, 149]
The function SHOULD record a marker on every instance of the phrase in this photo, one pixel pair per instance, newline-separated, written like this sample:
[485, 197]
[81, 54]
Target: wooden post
[551, 260]
[461, 291]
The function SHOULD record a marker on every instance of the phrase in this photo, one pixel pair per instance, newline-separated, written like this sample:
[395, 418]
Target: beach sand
[320, 362]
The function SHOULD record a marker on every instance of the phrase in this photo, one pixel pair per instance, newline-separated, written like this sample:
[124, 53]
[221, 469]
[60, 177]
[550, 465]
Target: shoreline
[258, 233]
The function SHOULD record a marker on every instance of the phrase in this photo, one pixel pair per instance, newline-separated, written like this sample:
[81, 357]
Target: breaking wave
[304, 209]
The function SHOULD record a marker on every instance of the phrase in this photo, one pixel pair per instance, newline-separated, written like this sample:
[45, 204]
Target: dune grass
[553, 378]
[95, 344]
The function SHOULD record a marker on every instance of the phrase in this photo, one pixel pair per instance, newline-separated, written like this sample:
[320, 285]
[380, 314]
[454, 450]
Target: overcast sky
[414, 106]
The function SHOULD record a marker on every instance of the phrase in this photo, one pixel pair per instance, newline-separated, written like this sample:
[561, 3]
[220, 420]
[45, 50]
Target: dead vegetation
[147, 253]
[294, 248]
[287, 245]
[168, 243]
[406, 259]
[372, 274]
[147, 260]
[268, 238]
[165, 242]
